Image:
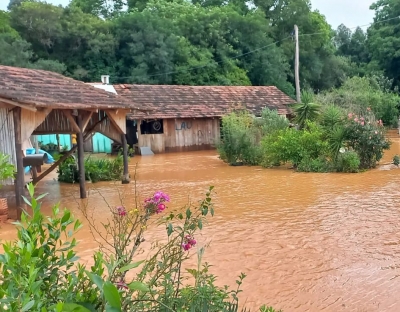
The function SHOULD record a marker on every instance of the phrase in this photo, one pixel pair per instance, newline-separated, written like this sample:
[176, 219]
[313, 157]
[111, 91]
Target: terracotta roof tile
[172, 101]
[42, 88]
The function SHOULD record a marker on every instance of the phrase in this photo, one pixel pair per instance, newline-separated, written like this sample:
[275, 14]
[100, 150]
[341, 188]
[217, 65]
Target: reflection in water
[307, 242]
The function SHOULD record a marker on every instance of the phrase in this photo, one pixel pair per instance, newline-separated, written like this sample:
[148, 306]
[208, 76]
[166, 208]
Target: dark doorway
[131, 135]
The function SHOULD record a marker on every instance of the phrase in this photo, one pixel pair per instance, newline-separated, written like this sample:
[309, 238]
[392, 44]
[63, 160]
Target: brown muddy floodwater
[307, 242]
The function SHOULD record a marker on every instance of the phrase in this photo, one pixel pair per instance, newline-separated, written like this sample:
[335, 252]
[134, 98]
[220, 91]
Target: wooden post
[81, 158]
[125, 177]
[20, 175]
[297, 65]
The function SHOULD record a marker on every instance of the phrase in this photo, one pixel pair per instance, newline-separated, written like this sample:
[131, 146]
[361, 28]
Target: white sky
[352, 13]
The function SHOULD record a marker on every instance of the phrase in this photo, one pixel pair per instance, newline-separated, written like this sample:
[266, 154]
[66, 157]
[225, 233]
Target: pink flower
[362, 123]
[356, 119]
[350, 115]
[160, 208]
[121, 211]
[155, 204]
[188, 242]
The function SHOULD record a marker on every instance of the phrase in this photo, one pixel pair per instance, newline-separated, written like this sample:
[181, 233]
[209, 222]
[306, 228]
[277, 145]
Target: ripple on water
[308, 242]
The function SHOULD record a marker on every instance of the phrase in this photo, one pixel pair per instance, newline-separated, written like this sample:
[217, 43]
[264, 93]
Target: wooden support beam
[71, 120]
[85, 120]
[20, 175]
[118, 121]
[81, 158]
[14, 103]
[125, 177]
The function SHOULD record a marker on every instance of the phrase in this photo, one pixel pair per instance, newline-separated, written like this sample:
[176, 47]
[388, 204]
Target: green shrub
[270, 121]
[96, 169]
[292, 146]
[238, 140]
[6, 169]
[366, 137]
[348, 162]
[396, 160]
[320, 164]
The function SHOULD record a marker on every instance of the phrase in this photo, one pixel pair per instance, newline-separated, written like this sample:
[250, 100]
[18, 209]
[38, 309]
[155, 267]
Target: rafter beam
[14, 103]
[71, 120]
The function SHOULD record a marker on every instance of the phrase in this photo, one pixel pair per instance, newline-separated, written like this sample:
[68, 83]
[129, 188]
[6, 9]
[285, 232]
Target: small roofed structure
[42, 102]
[184, 118]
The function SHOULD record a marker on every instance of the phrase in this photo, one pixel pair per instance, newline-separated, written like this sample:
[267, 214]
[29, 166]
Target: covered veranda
[40, 102]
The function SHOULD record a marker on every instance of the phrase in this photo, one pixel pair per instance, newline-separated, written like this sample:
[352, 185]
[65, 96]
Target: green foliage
[307, 110]
[396, 160]
[36, 269]
[238, 140]
[6, 169]
[366, 136]
[348, 162]
[357, 94]
[294, 146]
[96, 169]
[270, 121]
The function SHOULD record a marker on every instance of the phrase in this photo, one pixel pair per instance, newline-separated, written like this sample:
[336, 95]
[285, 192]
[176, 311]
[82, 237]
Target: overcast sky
[352, 13]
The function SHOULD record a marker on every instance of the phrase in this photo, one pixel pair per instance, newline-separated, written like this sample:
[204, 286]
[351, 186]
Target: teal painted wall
[65, 139]
[101, 144]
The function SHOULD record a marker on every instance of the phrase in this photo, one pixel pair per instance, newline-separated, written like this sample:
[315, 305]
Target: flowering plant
[366, 136]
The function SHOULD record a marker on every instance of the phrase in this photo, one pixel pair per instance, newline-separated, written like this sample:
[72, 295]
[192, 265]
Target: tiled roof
[172, 101]
[42, 88]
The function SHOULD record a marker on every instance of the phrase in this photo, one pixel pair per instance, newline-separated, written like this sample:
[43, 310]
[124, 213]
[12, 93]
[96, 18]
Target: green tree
[384, 39]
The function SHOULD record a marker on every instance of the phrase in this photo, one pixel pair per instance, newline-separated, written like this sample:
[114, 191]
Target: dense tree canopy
[198, 42]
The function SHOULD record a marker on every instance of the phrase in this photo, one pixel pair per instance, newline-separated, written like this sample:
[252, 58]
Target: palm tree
[306, 110]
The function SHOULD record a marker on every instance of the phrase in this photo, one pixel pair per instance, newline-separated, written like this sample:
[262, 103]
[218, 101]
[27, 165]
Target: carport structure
[42, 102]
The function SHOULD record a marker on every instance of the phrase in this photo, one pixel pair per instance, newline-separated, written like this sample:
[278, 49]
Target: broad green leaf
[138, 286]
[66, 216]
[41, 196]
[130, 266]
[28, 306]
[96, 279]
[112, 295]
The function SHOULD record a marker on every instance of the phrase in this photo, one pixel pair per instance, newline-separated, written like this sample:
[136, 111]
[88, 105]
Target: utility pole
[296, 64]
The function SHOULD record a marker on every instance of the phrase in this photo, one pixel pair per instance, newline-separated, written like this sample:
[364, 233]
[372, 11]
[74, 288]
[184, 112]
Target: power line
[247, 53]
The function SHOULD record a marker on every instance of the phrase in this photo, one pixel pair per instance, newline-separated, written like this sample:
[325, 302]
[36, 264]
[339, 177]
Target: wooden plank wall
[7, 145]
[183, 135]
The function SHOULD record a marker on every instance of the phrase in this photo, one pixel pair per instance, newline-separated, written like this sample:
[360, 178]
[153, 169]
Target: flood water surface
[307, 242]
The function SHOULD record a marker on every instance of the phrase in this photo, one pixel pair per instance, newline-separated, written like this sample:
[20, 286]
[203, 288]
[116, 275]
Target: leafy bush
[291, 145]
[366, 137]
[95, 169]
[320, 164]
[39, 271]
[270, 121]
[348, 162]
[396, 160]
[6, 169]
[239, 139]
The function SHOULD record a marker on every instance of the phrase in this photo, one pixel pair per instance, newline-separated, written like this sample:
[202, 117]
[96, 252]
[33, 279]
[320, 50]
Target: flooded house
[185, 118]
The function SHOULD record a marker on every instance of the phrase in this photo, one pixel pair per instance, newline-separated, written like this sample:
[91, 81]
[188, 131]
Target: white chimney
[105, 79]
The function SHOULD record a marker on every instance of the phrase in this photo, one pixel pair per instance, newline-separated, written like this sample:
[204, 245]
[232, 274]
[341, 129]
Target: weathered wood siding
[7, 145]
[183, 135]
